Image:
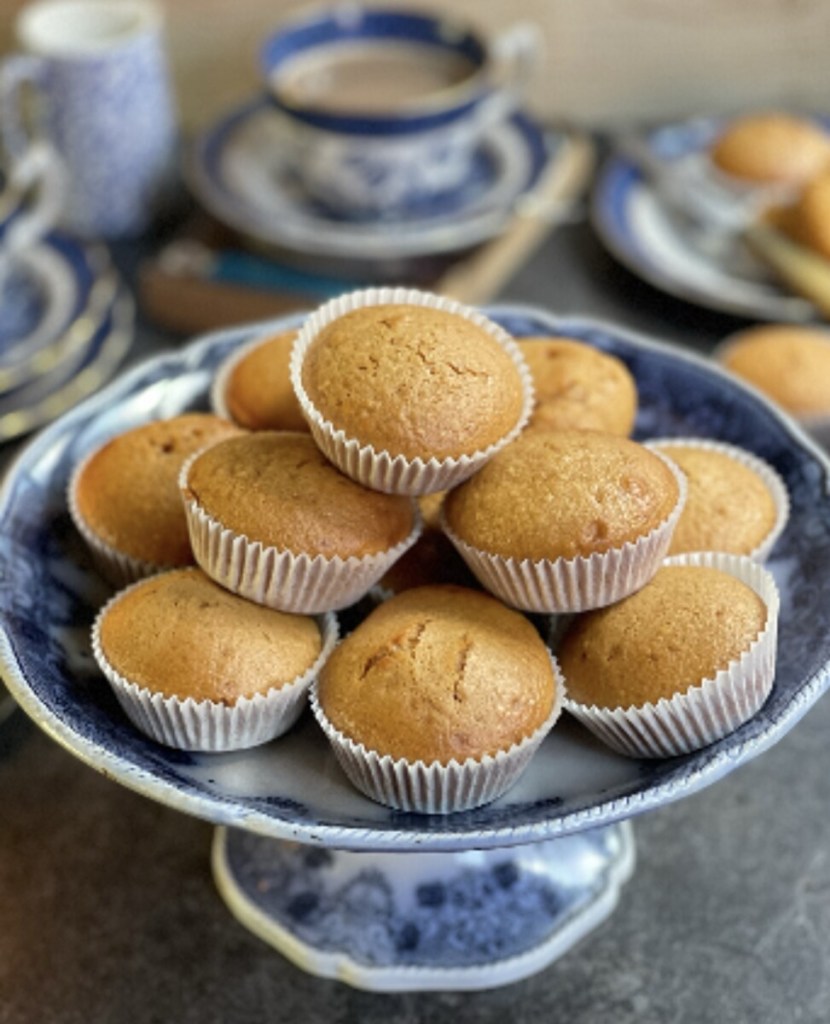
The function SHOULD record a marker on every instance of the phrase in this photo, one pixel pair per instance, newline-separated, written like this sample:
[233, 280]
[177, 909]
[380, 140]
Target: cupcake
[790, 364]
[273, 520]
[735, 502]
[681, 663]
[578, 387]
[807, 219]
[772, 148]
[567, 520]
[124, 497]
[438, 699]
[408, 392]
[198, 668]
[253, 386]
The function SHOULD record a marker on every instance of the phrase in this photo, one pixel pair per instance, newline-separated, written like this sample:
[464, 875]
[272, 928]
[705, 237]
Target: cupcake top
[414, 381]
[578, 387]
[439, 674]
[278, 489]
[126, 493]
[181, 635]
[788, 362]
[256, 386]
[681, 628]
[771, 148]
[729, 507]
[563, 494]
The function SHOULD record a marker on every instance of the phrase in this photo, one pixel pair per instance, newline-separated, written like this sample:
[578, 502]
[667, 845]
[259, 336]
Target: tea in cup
[384, 108]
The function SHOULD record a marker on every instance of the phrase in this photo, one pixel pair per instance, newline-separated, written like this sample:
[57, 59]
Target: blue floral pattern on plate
[235, 169]
[293, 788]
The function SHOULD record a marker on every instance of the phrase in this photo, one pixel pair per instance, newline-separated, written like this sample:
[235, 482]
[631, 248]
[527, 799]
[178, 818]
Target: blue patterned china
[385, 107]
[61, 282]
[345, 872]
[237, 169]
[101, 73]
[95, 343]
[653, 239]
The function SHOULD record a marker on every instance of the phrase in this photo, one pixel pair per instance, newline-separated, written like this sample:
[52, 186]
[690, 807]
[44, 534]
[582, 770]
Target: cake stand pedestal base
[401, 922]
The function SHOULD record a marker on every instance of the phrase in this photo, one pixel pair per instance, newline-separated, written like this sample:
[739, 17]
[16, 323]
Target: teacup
[384, 108]
[99, 71]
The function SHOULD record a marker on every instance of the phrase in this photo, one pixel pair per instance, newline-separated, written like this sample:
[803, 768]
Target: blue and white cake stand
[344, 887]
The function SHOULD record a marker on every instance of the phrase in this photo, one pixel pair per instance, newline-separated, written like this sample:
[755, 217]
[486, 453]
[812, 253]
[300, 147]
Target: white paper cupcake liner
[711, 710]
[382, 470]
[298, 583]
[772, 481]
[435, 788]
[205, 725]
[116, 567]
[562, 585]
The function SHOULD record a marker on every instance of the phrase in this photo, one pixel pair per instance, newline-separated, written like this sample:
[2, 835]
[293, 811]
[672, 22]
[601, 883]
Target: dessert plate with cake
[683, 208]
[346, 886]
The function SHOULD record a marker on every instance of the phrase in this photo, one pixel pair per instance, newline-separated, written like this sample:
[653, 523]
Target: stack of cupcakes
[518, 452]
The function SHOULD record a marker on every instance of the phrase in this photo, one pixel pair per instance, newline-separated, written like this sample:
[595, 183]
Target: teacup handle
[37, 171]
[16, 73]
[516, 56]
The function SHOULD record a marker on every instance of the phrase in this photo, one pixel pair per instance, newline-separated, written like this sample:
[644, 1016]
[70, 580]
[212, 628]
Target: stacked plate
[66, 323]
[237, 169]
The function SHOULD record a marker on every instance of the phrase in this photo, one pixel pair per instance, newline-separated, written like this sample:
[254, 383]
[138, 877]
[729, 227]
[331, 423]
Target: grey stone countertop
[108, 912]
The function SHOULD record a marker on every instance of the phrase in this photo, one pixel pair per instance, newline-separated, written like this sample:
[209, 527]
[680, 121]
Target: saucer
[643, 234]
[101, 339]
[66, 287]
[237, 171]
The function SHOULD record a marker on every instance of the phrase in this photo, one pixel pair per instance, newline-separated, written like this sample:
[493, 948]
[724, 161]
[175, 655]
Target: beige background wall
[606, 60]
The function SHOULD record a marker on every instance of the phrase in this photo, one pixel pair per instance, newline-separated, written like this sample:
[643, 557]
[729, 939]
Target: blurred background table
[108, 912]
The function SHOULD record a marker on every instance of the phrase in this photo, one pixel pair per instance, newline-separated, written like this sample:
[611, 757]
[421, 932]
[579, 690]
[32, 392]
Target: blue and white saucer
[89, 316]
[642, 233]
[64, 288]
[237, 170]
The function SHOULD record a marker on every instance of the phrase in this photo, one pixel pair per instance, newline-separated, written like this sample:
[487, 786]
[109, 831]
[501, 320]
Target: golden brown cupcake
[578, 387]
[253, 386]
[772, 148]
[808, 218]
[438, 698]
[680, 663]
[408, 392]
[199, 668]
[124, 497]
[273, 520]
[566, 520]
[735, 502]
[790, 363]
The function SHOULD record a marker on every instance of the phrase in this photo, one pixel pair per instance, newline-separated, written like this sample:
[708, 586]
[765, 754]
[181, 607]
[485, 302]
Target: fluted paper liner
[206, 725]
[383, 470]
[770, 478]
[562, 585]
[299, 583]
[714, 708]
[117, 567]
[436, 788]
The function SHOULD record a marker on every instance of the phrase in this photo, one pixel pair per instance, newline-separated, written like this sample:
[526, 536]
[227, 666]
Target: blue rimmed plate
[654, 243]
[293, 787]
[64, 288]
[237, 170]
